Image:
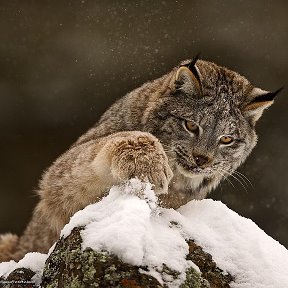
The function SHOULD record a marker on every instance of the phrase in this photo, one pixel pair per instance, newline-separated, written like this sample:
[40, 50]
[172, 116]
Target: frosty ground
[130, 224]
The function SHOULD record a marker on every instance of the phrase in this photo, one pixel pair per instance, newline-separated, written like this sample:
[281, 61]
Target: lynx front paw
[142, 156]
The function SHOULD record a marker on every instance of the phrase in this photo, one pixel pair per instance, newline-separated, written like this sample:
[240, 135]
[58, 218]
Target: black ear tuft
[260, 101]
[266, 97]
[193, 62]
[191, 66]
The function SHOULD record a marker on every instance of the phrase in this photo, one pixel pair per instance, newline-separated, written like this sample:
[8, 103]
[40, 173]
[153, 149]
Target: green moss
[194, 280]
[69, 266]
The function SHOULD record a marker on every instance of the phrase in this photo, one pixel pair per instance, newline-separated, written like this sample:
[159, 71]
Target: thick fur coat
[183, 132]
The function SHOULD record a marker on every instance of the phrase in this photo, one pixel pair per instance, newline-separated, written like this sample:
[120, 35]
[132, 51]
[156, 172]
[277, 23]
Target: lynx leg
[84, 174]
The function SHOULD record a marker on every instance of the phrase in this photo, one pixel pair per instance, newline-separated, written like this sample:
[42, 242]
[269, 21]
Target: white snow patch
[140, 233]
[34, 261]
[134, 230]
[129, 223]
[237, 245]
[7, 267]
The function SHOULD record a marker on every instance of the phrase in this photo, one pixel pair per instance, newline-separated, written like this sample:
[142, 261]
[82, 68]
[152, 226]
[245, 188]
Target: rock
[19, 278]
[208, 267]
[69, 266]
[151, 237]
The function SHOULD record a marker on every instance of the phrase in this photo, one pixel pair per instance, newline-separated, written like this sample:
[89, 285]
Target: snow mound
[34, 261]
[237, 245]
[129, 224]
[133, 228]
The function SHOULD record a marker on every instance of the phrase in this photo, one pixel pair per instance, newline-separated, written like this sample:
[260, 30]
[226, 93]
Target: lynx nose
[201, 160]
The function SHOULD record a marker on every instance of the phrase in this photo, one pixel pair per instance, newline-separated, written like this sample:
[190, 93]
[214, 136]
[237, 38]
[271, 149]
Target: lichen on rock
[70, 266]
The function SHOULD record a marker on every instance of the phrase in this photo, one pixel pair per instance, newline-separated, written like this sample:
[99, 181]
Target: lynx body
[183, 132]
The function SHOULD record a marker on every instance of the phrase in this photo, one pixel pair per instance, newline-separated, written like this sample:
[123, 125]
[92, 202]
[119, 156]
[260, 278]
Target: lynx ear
[259, 101]
[186, 79]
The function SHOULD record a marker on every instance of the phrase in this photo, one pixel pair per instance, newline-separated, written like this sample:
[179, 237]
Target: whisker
[220, 184]
[244, 177]
[238, 180]
[228, 180]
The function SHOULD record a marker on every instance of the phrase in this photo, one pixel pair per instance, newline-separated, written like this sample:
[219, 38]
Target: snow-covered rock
[27, 271]
[157, 242]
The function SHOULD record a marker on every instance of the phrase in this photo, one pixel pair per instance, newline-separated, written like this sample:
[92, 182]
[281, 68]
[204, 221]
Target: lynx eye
[191, 126]
[226, 140]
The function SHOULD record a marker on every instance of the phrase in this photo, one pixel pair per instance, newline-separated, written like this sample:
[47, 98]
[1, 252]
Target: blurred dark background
[62, 63]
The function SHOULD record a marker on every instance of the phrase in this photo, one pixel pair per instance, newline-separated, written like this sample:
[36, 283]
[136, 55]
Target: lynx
[183, 132]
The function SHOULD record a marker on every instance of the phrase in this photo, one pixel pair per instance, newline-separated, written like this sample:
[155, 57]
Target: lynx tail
[8, 246]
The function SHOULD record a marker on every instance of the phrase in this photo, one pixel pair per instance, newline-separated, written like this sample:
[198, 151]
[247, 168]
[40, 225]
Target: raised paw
[141, 155]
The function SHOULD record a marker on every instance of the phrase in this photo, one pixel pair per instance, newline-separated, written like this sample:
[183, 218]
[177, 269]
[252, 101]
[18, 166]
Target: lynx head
[207, 121]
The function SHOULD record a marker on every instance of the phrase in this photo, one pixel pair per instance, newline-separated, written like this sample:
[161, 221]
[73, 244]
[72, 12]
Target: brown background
[62, 63]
